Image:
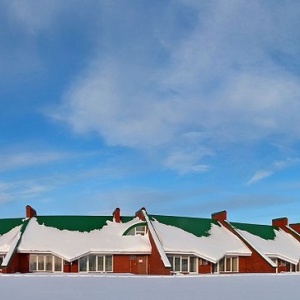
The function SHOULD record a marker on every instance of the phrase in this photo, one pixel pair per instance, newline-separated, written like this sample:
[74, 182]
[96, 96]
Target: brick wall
[156, 266]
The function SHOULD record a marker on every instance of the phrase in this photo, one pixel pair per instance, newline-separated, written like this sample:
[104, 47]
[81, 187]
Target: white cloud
[260, 175]
[186, 162]
[220, 78]
[275, 167]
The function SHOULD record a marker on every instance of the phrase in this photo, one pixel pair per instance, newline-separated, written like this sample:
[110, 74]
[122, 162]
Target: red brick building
[146, 244]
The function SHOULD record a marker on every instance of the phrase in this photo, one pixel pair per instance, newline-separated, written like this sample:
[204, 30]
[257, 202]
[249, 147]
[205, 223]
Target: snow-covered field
[106, 287]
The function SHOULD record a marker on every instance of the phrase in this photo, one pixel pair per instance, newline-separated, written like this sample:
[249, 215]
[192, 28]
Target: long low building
[146, 244]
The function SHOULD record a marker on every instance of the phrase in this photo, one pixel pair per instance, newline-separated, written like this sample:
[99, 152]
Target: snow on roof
[71, 245]
[283, 245]
[157, 242]
[215, 244]
[7, 240]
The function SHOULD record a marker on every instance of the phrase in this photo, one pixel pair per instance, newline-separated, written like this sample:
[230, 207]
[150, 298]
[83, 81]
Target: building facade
[146, 244]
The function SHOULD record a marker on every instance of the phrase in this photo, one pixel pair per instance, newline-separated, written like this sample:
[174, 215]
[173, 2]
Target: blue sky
[183, 107]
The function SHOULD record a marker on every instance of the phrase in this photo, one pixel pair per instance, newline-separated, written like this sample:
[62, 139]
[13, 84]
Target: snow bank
[209, 287]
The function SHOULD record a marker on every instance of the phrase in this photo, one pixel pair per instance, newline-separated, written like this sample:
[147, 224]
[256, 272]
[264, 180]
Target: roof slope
[71, 244]
[74, 223]
[8, 224]
[9, 233]
[204, 238]
[270, 241]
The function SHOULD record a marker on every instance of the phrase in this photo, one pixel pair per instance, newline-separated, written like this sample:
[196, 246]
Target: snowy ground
[106, 287]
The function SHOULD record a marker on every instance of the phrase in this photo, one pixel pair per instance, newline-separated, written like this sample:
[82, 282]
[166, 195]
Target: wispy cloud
[260, 175]
[26, 159]
[221, 78]
[275, 167]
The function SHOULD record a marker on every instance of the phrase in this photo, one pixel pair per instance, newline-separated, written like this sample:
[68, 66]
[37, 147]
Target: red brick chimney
[220, 216]
[117, 215]
[30, 212]
[140, 214]
[280, 222]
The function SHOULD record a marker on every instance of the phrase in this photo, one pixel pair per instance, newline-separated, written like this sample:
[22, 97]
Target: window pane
[92, 263]
[193, 264]
[57, 264]
[228, 264]
[234, 264]
[83, 264]
[184, 262]
[108, 263]
[49, 263]
[140, 230]
[170, 258]
[41, 263]
[177, 264]
[221, 265]
[32, 263]
[131, 232]
[100, 264]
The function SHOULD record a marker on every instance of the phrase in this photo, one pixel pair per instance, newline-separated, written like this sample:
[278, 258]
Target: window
[228, 264]
[57, 264]
[96, 263]
[140, 229]
[1, 261]
[281, 263]
[193, 264]
[45, 263]
[203, 262]
[183, 264]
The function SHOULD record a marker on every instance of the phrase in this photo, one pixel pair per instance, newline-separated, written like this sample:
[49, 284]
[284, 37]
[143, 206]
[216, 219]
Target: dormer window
[140, 229]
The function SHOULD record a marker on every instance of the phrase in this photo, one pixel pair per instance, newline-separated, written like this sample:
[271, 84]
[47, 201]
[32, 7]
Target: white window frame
[177, 263]
[35, 259]
[228, 262]
[105, 268]
[1, 260]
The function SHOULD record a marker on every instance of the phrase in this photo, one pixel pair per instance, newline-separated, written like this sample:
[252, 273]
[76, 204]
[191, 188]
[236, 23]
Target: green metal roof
[266, 232]
[77, 223]
[8, 224]
[197, 226]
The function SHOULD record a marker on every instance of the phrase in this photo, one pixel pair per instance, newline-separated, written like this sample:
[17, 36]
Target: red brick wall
[121, 264]
[23, 262]
[74, 267]
[205, 269]
[13, 265]
[156, 266]
[18, 263]
[254, 264]
[135, 264]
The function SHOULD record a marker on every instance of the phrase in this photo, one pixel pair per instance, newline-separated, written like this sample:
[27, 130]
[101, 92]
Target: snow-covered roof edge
[157, 242]
[265, 257]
